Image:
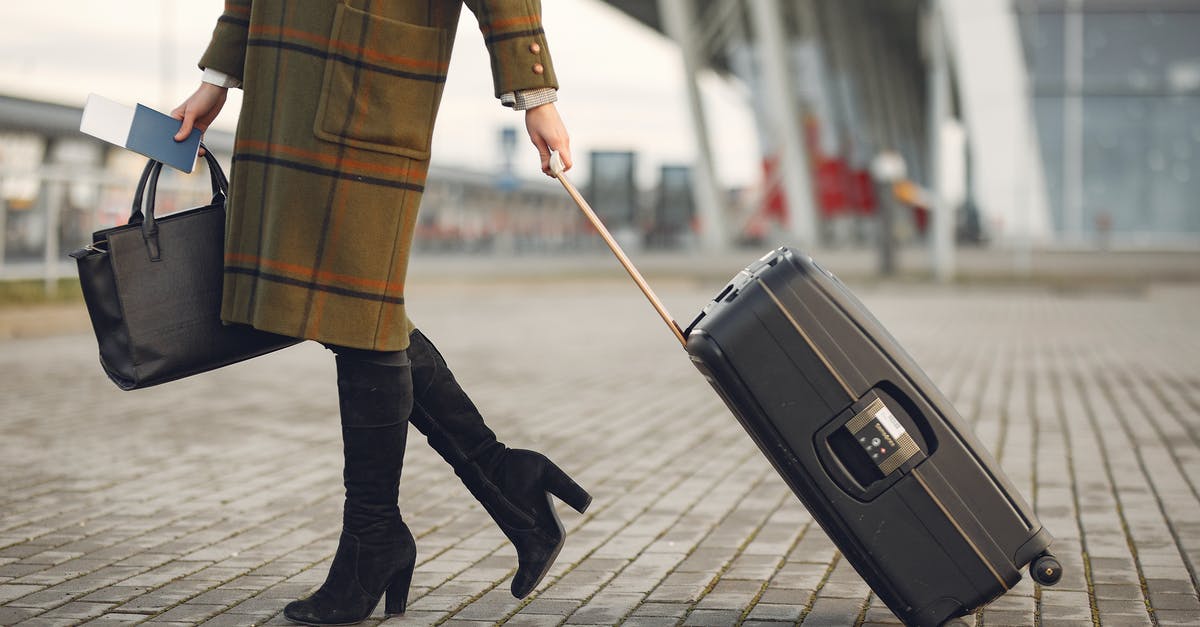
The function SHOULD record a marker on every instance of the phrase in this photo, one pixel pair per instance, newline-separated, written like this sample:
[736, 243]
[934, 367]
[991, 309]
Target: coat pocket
[383, 80]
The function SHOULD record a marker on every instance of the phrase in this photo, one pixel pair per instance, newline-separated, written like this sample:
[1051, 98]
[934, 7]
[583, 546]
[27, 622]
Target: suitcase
[862, 437]
[866, 441]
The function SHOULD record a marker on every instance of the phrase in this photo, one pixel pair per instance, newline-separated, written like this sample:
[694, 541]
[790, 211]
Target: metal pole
[54, 195]
[1073, 119]
[887, 169]
[939, 109]
[781, 103]
[3, 224]
[679, 23]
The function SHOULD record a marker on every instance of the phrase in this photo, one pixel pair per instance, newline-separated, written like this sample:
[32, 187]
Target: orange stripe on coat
[269, 148]
[308, 273]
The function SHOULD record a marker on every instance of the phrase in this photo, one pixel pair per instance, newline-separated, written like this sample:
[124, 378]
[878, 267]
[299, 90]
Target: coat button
[538, 69]
[535, 48]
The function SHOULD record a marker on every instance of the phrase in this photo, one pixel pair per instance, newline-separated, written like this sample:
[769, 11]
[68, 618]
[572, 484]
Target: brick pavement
[216, 500]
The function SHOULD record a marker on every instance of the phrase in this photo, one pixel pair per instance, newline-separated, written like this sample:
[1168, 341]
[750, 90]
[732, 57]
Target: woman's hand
[547, 132]
[200, 109]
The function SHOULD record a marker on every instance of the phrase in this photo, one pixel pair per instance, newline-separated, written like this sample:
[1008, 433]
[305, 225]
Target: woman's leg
[513, 485]
[376, 552]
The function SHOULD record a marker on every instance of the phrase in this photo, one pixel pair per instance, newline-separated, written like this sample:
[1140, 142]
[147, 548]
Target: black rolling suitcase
[865, 440]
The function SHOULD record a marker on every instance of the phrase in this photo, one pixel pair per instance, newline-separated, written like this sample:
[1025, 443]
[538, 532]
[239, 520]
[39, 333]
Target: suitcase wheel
[1046, 570]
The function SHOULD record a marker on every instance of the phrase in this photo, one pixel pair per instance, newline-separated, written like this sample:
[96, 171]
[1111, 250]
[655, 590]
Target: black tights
[396, 359]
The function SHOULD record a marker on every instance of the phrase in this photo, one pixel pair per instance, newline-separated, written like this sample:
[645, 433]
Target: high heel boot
[376, 552]
[513, 485]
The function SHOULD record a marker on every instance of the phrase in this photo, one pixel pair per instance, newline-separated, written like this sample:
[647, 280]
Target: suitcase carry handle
[556, 166]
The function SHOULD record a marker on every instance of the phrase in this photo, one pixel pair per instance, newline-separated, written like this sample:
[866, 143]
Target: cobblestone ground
[216, 500]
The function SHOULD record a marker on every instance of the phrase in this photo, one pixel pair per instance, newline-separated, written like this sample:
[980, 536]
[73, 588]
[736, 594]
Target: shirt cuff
[529, 98]
[218, 78]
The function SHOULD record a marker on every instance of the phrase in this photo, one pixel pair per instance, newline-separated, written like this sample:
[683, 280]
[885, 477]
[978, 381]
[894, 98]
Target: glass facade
[1137, 90]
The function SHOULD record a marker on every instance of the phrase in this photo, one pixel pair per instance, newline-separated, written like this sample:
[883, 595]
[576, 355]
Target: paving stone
[881, 615]
[1175, 617]
[828, 611]
[191, 613]
[44, 599]
[1065, 612]
[1166, 601]
[773, 612]
[650, 621]
[661, 610]
[1112, 607]
[553, 607]
[712, 618]
[113, 618]
[8, 592]
[14, 615]
[78, 610]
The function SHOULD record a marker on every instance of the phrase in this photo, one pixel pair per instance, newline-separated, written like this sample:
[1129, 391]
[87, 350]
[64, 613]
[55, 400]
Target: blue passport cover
[153, 135]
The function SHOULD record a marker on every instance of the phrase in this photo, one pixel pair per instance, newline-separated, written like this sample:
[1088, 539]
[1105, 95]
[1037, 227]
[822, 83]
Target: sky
[622, 85]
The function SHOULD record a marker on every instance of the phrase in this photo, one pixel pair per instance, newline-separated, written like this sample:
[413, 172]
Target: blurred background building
[911, 123]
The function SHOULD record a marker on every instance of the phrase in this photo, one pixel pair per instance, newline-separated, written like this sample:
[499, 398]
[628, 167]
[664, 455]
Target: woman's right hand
[200, 109]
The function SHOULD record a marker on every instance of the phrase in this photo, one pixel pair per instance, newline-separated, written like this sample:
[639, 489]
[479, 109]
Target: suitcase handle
[556, 166]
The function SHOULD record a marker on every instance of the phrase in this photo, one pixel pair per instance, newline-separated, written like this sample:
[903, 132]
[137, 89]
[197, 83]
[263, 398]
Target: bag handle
[556, 166]
[147, 188]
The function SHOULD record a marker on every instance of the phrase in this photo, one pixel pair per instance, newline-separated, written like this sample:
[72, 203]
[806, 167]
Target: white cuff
[218, 78]
[529, 98]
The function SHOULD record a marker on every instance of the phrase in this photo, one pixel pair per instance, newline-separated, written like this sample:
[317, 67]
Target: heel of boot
[560, 485]
[396, 595]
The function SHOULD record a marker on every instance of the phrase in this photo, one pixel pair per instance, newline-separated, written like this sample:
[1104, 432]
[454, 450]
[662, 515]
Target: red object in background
[835, 189]
[863, 190]
[832, 198]
[839, 189]
[920, 218]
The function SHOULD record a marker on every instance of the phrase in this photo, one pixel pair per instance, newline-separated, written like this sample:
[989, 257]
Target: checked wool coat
[332, 151]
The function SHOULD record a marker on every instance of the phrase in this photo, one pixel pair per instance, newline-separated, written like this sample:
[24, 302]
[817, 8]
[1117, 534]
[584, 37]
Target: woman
[330, 161]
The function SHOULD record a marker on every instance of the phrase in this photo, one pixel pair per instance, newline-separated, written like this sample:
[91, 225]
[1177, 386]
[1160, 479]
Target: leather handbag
[153, 291]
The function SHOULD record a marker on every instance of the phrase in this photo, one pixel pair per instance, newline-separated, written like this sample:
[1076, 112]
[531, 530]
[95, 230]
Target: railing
[48, 212]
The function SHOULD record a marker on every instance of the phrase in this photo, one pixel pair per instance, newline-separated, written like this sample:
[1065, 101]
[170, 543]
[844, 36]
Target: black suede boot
[376, 552]
[513, 485]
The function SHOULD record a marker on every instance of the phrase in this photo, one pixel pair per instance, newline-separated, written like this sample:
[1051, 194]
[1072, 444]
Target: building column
[796, 172]
[680, 25]
[1072, 184]
[938, 84]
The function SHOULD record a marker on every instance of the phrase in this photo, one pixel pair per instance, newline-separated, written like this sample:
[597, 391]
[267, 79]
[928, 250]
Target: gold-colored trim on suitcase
[941, 506]
[914, 473]
[808, 340]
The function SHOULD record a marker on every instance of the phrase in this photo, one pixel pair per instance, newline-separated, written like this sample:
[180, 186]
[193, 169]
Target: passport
[140, 129]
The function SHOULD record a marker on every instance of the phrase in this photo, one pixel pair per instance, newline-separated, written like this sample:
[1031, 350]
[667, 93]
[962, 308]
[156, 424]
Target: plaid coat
[332, 150]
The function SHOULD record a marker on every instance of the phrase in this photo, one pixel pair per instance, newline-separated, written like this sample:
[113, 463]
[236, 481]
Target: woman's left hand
[547, 132]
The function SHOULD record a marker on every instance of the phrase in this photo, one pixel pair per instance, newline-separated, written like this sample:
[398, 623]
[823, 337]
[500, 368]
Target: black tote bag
[153, 291]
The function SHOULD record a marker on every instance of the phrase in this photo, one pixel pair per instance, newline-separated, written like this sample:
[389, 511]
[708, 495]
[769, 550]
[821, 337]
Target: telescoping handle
[556, 166]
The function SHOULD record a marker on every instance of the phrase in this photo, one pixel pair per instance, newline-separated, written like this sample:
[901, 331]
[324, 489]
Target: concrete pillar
[1072, 188]
[3, 222]
[767, 18]
[680, 24]
[938, 84]
[992, 88]
[53, 196]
